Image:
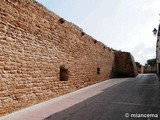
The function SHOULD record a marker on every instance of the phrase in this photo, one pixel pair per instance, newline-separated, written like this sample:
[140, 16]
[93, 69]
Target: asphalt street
[133, 99]
[114, 99]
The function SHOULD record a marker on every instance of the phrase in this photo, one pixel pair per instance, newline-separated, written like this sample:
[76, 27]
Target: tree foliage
[151, 62]
[138, 64]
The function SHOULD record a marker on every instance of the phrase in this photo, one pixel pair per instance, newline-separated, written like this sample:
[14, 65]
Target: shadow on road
[138, 95]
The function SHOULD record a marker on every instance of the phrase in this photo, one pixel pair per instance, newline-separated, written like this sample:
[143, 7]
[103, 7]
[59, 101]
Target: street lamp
[154, 31]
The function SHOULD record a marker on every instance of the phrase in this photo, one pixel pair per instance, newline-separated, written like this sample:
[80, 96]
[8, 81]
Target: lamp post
[154, 31]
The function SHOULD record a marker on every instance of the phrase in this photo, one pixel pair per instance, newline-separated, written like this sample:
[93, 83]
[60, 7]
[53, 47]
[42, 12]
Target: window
[63, 74]
[112, 69]
[98, 71]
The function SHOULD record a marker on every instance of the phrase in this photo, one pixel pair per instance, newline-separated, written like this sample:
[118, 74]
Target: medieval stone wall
[34, 45]
[43, 56]
[124, 65]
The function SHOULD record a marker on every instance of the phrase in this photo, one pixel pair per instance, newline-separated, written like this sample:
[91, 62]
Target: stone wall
[148, 69]
[43, 56]
[124, 65]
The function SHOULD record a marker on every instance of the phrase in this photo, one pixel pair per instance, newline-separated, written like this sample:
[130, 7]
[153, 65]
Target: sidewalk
[45, 109]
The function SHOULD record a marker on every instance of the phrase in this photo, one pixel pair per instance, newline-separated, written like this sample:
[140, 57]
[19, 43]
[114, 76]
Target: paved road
[108, 100]
[136, 98]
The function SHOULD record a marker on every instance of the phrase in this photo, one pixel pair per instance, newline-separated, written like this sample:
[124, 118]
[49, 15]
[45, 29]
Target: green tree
[138, 64]
[151, 62]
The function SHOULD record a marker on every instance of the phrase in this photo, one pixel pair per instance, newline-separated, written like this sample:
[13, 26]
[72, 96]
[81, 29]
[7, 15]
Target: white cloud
[142, 53]
[122, 25]
[154, 6]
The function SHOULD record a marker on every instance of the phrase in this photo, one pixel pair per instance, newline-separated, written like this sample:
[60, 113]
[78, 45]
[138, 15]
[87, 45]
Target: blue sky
[121, 24]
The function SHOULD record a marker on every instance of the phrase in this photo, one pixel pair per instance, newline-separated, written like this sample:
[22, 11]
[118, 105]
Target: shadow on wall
[124, 65]
[124, 73]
